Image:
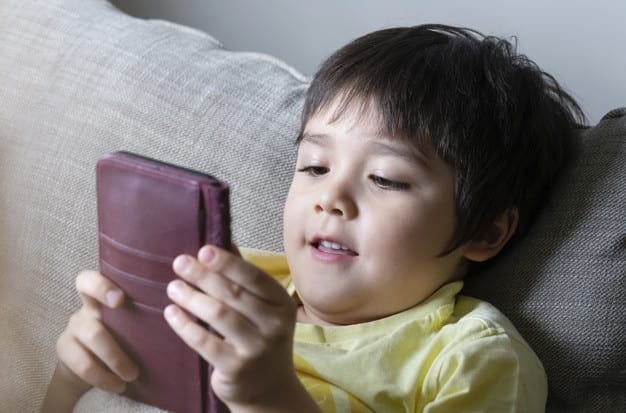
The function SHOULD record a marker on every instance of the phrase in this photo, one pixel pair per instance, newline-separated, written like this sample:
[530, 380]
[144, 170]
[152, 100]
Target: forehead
[359, 117]
[348, 108]
[352, 119]
[370, 146]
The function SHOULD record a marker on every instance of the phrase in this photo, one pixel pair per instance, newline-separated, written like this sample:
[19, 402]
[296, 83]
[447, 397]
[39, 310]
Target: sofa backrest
[78, 78]
[564, 285]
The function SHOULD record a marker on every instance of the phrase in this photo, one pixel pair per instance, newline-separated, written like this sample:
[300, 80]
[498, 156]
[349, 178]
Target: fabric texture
[564, 285]
[78, 78]
[449, 353]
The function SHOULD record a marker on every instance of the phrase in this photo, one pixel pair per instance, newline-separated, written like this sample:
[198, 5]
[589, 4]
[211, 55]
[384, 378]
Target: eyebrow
[378, 147]
[315, 138]
[383, 148]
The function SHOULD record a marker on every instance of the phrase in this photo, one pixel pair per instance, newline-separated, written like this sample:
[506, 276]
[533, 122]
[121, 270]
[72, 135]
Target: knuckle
[252, 353]
[94, 334]
[273, 327]
[278, 330]
[86, 371]
[218, 310]
[198, 338]
[256, 279]
[234, 290]
[79, 320]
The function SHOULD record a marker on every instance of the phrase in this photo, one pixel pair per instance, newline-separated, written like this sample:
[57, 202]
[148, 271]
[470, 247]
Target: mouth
[332, 247]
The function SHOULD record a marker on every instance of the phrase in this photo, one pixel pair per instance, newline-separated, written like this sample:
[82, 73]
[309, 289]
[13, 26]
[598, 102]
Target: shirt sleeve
[491, 373]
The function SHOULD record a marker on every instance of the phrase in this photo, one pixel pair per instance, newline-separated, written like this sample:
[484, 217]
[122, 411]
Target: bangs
[364, 102]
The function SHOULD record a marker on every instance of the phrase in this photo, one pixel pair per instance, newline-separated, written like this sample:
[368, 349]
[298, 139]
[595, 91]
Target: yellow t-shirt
[450, 353]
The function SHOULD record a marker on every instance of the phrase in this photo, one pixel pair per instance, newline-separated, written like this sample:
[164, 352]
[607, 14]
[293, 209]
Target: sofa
[79, 78]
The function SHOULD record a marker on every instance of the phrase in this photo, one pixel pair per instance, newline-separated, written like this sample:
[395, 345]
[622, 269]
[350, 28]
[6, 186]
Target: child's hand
[253, 361]
[88, 354]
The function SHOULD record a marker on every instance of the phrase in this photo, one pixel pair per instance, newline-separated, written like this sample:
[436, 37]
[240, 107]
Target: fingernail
[206, 254]
[174, 288]
[181, 263]
[171, 313]
[113, 297]
[132, 375]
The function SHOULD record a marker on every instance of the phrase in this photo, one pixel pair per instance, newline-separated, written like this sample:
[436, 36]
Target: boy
[422, 150]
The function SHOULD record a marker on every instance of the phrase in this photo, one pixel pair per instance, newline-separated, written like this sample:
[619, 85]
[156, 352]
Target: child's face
[365, 221]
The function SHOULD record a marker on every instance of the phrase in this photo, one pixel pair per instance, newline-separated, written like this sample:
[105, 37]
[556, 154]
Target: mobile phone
[149, 212]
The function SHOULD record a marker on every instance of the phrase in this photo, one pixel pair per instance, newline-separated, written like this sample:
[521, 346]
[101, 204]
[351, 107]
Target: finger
[241, 272]
[214, 349]
[238, 271]
[93, 336]
[221, 288]
[84, 368]
[95, 289]
[229, 322]
[264, 312]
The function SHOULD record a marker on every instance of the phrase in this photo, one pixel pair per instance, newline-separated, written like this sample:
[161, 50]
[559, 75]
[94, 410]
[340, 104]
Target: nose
[336, 199]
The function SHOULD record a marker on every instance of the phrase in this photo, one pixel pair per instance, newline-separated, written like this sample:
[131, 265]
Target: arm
[87, 354]
[63, 392]
[492, 373]
[253, 361]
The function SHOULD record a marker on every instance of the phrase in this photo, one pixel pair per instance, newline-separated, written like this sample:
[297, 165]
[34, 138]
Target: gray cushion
[564, 285]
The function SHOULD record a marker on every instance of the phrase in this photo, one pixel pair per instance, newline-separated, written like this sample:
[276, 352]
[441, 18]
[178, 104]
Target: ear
[494, 238]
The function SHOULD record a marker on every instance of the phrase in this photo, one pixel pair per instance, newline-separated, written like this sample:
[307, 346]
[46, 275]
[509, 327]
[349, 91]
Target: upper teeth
[333, 245]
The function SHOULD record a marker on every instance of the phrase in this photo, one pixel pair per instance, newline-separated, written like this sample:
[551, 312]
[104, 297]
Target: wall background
[581, 43]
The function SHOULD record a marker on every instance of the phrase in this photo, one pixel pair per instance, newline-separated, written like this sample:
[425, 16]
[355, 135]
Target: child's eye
[314, 170]
[388, 184]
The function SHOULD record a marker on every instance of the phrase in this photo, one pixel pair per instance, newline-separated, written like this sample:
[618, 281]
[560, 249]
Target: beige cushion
[77, 79]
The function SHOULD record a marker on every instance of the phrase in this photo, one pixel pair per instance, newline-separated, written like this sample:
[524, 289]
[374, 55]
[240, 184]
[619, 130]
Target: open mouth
[331, 247]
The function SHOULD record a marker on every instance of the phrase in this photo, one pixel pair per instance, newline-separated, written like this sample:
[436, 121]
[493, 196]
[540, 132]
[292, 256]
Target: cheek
[292, 222]
[287, 216]
[408, 236]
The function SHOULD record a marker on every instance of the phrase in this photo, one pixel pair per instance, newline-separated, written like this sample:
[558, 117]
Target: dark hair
[501, 123]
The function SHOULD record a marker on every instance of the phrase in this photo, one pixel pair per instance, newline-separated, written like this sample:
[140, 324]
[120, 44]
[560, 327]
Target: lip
[325, 254]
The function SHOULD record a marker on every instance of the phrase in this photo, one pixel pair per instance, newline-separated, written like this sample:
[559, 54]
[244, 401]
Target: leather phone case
[148, 213]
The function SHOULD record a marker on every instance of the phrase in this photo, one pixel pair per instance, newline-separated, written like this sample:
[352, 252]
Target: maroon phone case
[148, 213]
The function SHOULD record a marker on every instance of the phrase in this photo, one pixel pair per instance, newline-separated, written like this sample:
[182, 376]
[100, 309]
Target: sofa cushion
[564, 285]
[77, 79]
